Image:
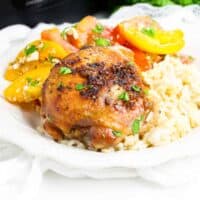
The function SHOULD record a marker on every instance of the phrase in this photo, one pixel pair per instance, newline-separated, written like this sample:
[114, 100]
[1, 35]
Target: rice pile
[175, 91]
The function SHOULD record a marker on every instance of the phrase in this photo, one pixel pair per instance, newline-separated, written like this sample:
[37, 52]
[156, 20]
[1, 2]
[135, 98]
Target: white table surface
[58, 187]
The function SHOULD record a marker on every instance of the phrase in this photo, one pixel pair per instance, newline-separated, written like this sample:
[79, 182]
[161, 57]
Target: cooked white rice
[175, 91]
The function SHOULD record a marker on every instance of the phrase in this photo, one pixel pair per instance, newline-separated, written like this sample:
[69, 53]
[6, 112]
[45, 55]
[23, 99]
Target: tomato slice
[145, 60]
[82, 29]
[54, 35]
[145, 34]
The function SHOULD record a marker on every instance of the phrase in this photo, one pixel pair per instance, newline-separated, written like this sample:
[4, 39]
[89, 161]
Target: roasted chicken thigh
[93, 95]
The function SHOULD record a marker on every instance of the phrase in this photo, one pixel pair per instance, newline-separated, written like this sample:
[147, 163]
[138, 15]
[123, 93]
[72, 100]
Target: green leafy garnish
[191, 58]
[98, 29]
[146, 91]
[124, 96]
[53, 60]
[90, 86]
[43, 45]
[32, 82]
[65, 70]
[166, 2]
[142, 118]
[136, 126]
[75, 25]
[135, 88]
[64, 33]
[148, 31]
[130, 63]
[30, 49]
[115, 6]
[50, 58]
[79, 87]
[102, 42]
[117, 133]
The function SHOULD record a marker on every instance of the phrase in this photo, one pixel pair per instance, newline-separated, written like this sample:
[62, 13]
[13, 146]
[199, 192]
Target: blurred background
[31, 12]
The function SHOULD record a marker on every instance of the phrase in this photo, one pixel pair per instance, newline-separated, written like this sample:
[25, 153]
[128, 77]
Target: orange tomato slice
[55, 36]
[83, 30]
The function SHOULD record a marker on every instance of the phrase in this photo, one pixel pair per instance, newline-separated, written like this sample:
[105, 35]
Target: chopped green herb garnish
[117, 133]
[136, 88]
[136, 126]
[90, 86]
[30, 49]
[75, 25]
[50, 58]
[142, 118]
[191, 58]
[32, 82]
[65, 70]
[98, 29]
[53, 60]
[102, 42]
[124, 96]
[146, 91]
[130, 63]
[149, 31]
[79, 86]
[64, 32]
[43, 46]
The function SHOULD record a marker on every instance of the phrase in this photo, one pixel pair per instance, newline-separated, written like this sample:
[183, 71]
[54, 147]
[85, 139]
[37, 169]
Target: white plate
[18, 128]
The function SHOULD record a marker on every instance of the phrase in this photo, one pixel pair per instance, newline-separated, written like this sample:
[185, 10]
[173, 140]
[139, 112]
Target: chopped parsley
[53, 60]
[32, 82]
[148, 31]
[79, 87]
[142, 118]
[191, 58]
[135, 88]
[102, 42]
[117, 133]
[65, 70]
[30, 49]
[136, 124]
[146, 91]
[50, 58]
[130, 63]
[98, 29]
[90, 86]
[75, 25]
[124, 96]
[43, 46]
[64, 33]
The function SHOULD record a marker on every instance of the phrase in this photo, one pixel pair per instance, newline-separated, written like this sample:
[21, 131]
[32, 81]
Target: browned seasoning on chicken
[94, 95]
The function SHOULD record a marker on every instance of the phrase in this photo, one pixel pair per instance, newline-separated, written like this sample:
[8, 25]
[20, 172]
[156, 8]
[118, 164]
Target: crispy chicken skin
[93, 112]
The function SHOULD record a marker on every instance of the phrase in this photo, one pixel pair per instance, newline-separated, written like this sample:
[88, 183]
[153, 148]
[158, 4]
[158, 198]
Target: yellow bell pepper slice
[27, 87]
[51, 49]
[46, 54]
[12, 74]
[148, 36]
[44, 48]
